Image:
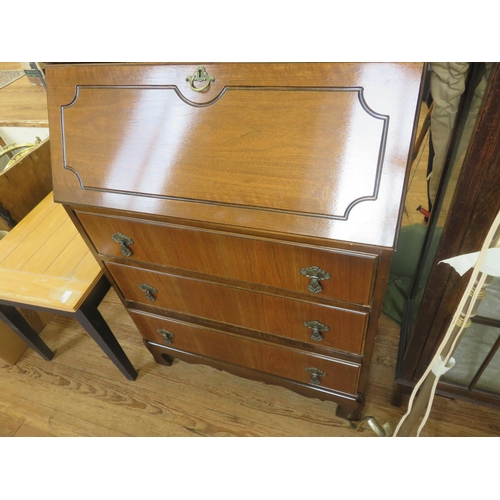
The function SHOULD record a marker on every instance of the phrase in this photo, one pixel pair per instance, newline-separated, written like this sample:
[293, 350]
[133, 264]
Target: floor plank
[28, 431]
[81, 393]
[22, 104]
[8, 426]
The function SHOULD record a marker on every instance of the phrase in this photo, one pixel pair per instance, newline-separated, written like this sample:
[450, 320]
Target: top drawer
[236, 257]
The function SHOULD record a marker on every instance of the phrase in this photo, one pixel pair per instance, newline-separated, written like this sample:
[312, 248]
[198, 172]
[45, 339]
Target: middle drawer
[313, 323]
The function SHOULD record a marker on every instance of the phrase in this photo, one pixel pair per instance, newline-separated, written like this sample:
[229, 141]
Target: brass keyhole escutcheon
[200, 76]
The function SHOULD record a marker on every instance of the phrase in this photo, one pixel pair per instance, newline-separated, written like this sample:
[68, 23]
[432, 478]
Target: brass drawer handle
[124, 242]
[149, 291]
[167, 336]
[200, 75]
[315, 374]
[316, 328]
[315, 274]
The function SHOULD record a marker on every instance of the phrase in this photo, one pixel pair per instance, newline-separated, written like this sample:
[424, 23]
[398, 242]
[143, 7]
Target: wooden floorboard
[21, 103]
[8, 426]
[81, 393]
[28, 431]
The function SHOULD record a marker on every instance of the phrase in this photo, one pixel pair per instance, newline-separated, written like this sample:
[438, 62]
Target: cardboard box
[11, 346]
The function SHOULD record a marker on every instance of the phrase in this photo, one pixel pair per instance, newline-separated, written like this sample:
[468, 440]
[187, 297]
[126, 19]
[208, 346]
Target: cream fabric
[447, 84]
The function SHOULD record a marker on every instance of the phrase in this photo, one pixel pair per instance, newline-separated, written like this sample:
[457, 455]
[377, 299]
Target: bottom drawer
[281, 361]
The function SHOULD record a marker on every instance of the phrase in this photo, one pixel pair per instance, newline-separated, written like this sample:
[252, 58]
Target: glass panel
[490, 379]
[490, 305]
[475, 345]
[470, 353]
[473, 96]
[418, 244]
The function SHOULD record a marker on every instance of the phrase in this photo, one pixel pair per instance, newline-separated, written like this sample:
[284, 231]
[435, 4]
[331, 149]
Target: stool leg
[91, 319]
[16, 322]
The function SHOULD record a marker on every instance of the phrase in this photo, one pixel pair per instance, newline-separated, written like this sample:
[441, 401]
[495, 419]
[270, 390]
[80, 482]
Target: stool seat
[44, 261]
[46, 265]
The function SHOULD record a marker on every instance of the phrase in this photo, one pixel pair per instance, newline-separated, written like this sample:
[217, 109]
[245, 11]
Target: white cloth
[447, 84]
[462, 263]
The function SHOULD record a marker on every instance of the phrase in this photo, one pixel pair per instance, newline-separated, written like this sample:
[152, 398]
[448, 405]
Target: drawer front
[288, 363]
[235, 257]
[257, 311]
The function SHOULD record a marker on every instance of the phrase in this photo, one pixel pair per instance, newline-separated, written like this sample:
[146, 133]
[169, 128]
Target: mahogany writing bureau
[245, 214]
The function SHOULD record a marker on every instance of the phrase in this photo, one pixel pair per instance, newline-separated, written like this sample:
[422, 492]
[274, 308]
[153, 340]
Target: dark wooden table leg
[16, 322]
[90, 318]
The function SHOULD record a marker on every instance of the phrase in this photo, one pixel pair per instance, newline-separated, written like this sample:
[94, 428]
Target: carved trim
[359, 90]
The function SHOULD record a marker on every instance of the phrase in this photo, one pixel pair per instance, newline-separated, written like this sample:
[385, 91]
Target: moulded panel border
[343, 217]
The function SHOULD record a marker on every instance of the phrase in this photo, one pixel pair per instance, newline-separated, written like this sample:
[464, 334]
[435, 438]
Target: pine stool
[45, 265]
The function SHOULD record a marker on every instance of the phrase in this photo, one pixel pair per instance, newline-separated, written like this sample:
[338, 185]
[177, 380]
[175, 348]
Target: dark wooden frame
[87, 315]
[475, 205]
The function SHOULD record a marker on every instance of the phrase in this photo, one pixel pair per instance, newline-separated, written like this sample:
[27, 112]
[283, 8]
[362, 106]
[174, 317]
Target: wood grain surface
[22, 104]
[265, 357]
[26, 183]
[236, 306]
[214, 156]
[11, 346]
[259, 261]
[44, 261]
